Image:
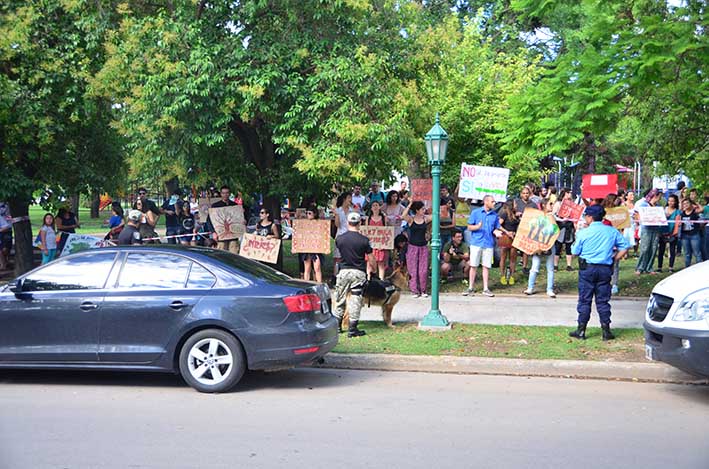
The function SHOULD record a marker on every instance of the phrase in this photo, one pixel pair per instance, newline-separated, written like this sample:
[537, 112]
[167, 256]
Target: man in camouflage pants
[351, 278]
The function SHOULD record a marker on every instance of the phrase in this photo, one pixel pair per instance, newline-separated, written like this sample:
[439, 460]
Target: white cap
[134, 215]
[353, 217]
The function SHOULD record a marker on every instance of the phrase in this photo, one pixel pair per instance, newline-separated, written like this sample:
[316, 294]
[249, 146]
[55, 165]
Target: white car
[677, 321]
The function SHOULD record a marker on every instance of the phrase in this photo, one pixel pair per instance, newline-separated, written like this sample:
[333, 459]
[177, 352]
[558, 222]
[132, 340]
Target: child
[115, 223]
[48, 238]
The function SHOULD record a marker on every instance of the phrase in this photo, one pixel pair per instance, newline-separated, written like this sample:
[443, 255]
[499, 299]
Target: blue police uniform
[595, 246]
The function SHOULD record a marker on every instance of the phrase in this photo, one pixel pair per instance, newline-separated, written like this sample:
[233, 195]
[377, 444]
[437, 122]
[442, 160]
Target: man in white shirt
[358, 199]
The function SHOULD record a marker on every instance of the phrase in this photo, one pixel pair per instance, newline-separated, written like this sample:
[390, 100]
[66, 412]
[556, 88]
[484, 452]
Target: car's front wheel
[212, 361]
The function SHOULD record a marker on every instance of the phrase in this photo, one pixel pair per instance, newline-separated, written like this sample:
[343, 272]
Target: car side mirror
[15, 286]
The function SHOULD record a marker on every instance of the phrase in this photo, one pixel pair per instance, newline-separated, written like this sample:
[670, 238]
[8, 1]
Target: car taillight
[302, 303]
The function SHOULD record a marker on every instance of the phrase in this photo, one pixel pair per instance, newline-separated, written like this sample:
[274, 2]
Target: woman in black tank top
[417, 253]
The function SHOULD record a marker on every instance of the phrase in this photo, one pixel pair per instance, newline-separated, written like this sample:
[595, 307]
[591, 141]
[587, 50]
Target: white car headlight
[694, 307]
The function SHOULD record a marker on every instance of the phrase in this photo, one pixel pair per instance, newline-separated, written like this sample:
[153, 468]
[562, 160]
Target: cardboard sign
[619, 217]
[570, 211]
[228, 222]
[78, 242]
[203, 206]
[478, 181]
[422, 189]
[311, 237]
[380, 237]
[260, 248]
[598, 186]
[652, 216]
[537, 232]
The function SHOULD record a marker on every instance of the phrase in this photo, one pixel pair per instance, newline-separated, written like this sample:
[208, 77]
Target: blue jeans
[536, 264]
[49, 257]
[595, 280]
[691, 245]
[172, 231]
[649, 240]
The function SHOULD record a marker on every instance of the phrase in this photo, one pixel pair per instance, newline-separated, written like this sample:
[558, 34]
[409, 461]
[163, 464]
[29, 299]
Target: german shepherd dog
[385, 293]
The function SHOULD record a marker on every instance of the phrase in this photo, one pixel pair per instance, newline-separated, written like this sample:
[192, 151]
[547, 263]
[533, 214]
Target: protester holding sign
[521, 204]
[231, 245]
[567, 232]
[537, 261]
[417, 251]
[312, 262]
[379, 258]
[393, 210]
[669, 234]
[649, 234]
[509, 222]
[485, 225]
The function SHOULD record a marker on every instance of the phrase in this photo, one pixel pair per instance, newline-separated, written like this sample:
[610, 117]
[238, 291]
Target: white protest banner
[228, 222]
[380, 237]
[478, 181]
[260, 248]
[78, 242]
[652, 216]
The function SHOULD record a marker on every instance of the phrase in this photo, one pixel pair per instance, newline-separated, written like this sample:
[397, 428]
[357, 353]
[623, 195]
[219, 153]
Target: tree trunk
[23, 236]
[171, 186]
[95, 203]
[74, 203]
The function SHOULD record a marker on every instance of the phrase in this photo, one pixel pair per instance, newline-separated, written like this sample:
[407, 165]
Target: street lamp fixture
[436, 147]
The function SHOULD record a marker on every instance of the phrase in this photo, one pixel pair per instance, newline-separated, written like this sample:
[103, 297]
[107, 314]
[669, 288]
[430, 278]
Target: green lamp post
[436, 146]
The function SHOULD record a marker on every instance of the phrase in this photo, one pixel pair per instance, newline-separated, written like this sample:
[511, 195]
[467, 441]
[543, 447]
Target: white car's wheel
[212, 361]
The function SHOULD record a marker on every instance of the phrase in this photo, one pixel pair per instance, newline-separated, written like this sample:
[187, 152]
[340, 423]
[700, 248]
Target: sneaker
[556, 268]
[671, 270]
[529, 291]
[424, 295]
[614, 290]
[503, 280]
[488, 293]
[416, 295]
[551, 294]
[511, 281]
[658, 271]
[469, 291]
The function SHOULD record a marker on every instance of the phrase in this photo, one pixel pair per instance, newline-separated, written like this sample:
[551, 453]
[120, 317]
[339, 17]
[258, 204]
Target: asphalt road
[317, 418]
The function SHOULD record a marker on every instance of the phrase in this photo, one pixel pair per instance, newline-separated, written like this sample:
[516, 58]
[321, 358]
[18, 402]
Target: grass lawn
[475, 340]
[88, 225]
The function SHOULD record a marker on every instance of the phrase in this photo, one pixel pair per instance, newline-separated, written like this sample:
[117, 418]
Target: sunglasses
[142, 193]
[310, 213]
[262, 212]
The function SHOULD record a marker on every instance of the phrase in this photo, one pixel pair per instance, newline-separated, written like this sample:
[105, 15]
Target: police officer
[594, 246]
[351, 278]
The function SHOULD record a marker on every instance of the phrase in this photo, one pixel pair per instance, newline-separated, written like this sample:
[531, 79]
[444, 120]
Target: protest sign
[652, 216]
[537, 232]
[228, 222]
[311, 237]
[570, 211]
[380, 237]
[79, 242]
[598, 186]
[260, 248]
[478, 181]
[619, 217]
[422, 189]
[203, 206]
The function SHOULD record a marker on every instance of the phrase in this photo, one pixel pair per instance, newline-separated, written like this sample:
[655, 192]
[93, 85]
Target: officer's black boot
[339, 325]
[607, 334]
[580, 332]
[354, 332]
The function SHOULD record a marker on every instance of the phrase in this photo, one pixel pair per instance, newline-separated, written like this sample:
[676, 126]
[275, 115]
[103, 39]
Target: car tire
[212, 361]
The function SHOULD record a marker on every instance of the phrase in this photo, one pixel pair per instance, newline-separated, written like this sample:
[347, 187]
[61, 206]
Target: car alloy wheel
[212, 361]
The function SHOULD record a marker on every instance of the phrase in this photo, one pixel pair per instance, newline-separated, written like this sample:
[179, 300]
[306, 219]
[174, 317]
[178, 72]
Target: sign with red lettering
[537, 232]
[380, 237]
[652, 216]
[619, 217]
[260, 248]
[570, 211]
[478, 181]
[422, 189]
[228, 222]
[311, 237]
[598, 186]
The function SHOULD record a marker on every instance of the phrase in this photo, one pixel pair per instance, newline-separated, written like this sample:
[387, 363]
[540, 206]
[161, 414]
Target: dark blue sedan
[206, 314]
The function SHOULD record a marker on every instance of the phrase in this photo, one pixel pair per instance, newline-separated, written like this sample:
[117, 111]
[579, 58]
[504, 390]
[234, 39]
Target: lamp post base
[434, 321]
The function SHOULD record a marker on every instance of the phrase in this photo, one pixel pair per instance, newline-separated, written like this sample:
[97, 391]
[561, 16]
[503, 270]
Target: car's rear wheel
[212, 361]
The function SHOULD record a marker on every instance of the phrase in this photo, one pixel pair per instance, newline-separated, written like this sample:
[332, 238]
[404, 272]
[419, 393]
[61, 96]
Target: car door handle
[177, 305]
[88, 306]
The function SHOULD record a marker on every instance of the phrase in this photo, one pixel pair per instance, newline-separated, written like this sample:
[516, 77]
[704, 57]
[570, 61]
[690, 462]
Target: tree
[51, 134]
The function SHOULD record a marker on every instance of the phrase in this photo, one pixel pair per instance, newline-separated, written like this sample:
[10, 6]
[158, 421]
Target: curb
[576, 369]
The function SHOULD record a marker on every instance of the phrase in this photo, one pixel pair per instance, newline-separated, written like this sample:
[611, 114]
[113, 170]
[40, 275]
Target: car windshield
[248, 266]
